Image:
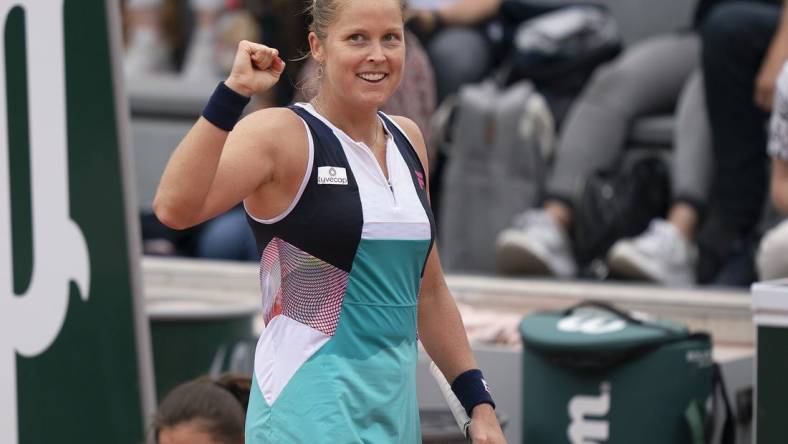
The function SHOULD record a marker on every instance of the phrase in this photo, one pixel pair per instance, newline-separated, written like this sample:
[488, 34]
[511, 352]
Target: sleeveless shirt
[340, 272]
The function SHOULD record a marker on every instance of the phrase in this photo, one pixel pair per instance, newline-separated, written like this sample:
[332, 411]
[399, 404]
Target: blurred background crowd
[562, 142]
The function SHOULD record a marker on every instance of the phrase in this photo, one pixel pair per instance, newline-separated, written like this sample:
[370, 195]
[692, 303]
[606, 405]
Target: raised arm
[212, 169]
[440, 326]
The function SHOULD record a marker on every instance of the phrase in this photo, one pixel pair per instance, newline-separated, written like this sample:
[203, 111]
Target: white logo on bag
[331, 176]
[590, 324]
[31, 321]
[583, 430]
[701, 358]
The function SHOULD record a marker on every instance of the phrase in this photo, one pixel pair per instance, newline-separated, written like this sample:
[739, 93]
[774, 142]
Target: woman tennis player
[336, 195]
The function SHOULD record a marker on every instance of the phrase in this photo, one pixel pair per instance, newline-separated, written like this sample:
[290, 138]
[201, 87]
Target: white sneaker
[200, 60]
[535, 244]
[660, 254]
[147, 53]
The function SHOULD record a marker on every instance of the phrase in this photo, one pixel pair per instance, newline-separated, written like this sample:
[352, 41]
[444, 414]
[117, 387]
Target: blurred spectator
[655, 76]
[150, 48]
[778, 144]
[744, 46]
[284, 27]
[227, 237]
[454, 34]
[204, 411]
[772, 256]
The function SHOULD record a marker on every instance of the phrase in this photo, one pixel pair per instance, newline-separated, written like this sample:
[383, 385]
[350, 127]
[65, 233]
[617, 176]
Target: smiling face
[362, 52]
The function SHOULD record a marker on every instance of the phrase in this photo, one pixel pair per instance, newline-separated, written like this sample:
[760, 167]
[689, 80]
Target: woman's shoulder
[268, 119]
[272, 128]
[413, 133]
[409, 127]
[276, 134]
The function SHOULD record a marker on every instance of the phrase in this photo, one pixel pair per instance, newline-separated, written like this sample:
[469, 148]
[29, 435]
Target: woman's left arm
[443, 336]
[440, 326]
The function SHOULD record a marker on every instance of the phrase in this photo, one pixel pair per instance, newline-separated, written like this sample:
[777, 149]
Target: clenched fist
[256, 69]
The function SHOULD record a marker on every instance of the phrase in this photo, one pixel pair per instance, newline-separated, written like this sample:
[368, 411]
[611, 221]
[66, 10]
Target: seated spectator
[454, 35]
[772, 256]
[227, 237]
[654, 76]
[744, 46]
[204, 411]
[149, 50]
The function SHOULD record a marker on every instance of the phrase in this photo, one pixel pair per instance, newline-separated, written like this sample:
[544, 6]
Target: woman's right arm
[212, 170]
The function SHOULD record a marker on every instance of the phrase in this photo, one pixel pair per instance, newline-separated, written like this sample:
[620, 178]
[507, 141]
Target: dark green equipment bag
[596, 374]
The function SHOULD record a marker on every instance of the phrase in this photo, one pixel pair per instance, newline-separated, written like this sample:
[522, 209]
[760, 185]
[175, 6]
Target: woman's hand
[766, 81]
[484, 426]
[256, 69]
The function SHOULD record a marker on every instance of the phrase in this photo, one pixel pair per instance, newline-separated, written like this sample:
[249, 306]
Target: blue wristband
[225, 107]
[471, 389]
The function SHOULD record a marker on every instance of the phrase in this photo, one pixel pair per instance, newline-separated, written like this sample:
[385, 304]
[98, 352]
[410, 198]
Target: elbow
[170, 216]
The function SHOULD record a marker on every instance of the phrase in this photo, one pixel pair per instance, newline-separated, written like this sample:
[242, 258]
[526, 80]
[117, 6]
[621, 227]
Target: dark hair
[219, 406]
[323, 12]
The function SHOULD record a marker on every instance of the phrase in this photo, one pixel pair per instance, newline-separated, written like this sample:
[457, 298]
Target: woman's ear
[316, 48]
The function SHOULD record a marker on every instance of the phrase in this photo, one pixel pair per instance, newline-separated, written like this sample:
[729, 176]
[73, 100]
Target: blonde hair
[323, 13]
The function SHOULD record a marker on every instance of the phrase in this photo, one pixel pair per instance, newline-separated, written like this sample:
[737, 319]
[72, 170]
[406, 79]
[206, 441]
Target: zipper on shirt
[382, 176]
[393, 195]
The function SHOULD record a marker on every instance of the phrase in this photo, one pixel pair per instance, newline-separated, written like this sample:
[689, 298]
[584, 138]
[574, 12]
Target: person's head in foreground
[204, 411]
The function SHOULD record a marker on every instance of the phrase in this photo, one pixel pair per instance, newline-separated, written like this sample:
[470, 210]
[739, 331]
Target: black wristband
[225, 107]
[471, 390]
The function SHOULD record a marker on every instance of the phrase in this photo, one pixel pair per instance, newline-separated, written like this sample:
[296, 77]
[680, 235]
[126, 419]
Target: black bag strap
[728, 426]
[702, 431]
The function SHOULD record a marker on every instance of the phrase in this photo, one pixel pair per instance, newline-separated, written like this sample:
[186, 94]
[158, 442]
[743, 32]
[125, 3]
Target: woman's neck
[359, 124]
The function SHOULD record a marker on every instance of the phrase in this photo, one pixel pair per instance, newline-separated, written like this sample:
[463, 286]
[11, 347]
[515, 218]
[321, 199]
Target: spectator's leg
[228, 237]
[692, 158]
[735, 39]
[200, 61]
[666, 253]
[147, 50]
[459, 55]
[646, 79]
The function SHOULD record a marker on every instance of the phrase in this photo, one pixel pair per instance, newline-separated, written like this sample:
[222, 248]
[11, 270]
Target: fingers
[277, 65]
[263, 56]
[256, 68]
[260, 56]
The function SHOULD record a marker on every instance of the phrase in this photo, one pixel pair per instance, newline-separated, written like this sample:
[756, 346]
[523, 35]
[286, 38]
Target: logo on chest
[331, 176]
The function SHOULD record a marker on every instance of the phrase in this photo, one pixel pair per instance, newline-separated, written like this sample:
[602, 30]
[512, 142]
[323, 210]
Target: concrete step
[725, 313]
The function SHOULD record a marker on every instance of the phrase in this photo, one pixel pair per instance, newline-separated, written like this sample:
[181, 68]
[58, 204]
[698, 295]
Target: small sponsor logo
[331, 176]
[486, 386]
[420, 178]
[701, 358]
